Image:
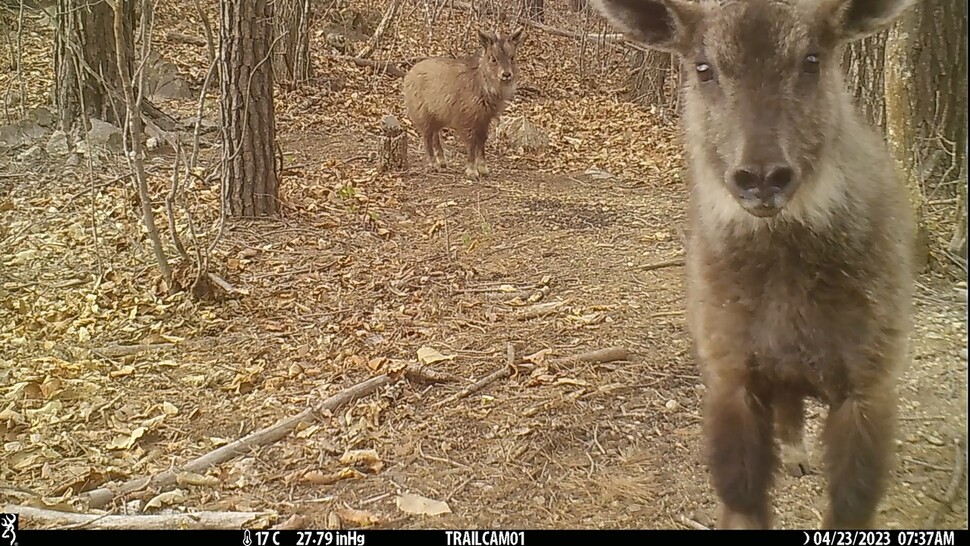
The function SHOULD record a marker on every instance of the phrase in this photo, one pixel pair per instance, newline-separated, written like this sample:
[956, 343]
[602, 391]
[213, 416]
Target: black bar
[26, 537]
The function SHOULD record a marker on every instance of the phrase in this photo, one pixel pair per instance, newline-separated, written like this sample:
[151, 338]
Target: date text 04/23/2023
[485, 538]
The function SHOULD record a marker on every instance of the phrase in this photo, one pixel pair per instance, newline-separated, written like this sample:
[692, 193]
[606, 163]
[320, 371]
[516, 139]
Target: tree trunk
[958, 241]
[577, 5]
[863, 63]
[85, 61]
[901, 129]
[941, 97]
[249, 135]
[291, 54]
[535, 10]
[649, 80]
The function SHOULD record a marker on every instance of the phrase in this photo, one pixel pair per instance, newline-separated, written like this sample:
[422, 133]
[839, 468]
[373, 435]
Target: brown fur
[463, 94]
[802, 286]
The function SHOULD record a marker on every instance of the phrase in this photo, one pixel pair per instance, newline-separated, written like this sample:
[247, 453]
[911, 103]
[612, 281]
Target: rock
[521, 134]
[174, 88]
[57, 145]
[164, 81]
[20, 133]
[105, 136]
[30, 153]
[151, 143]
[31, 129]
[10, 136]
[671, 405]
[42, 116]
[208, 125]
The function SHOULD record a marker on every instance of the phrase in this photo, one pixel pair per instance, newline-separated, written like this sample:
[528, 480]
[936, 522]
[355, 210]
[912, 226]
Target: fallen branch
[114, 351]
[185, 39]
[661, 265]
[154, 522]
[502, 373]
[381, 28]
[952, 490]
[539, 310]
[386, 67]
[668, 314]
[101, 497]
[693, 524]
[598, 356]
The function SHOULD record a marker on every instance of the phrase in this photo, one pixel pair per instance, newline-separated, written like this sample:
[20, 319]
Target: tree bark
[291, 54]
[941, 93]
[864, 64]
[649, 76]
[85, 61]
[958, 241]
[248, 114]
[901, 129]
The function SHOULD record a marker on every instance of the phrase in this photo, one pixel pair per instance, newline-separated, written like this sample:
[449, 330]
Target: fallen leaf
[539, 357]
[375, 363]
[192, 478]
[416, 504]
[357, 517]
[428, 356]
[292, 523]
[165, 499]
[319, 478]
[363, 457]
[126, 442]
[308, 431]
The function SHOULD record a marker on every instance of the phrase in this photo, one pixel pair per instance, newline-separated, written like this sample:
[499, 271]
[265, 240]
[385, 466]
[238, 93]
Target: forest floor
[364, 270]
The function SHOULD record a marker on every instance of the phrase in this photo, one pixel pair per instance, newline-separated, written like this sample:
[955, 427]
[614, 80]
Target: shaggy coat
[800, 265]
[463, 94]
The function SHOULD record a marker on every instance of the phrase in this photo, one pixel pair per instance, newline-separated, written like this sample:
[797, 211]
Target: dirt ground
[363, 270]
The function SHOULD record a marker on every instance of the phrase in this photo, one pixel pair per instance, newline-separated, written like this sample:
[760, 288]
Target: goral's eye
[704, 71]
[811, 64]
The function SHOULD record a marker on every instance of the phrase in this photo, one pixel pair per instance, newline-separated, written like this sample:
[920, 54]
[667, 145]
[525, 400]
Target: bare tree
[901, 125]
[650, 80]
[250, 179]
[941, 108]
[926, 105]
[133, 95]
[291, 57]
[534, 10]
[85, 60]
[958, 242]
[863, 62]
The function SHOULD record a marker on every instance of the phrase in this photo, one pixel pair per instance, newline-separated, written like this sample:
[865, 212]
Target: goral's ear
[851, 20]
[667, 25]
[517, 36]
[484, 38]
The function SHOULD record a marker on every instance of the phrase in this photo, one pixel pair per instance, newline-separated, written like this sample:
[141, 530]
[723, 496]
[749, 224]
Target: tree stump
[392, 155]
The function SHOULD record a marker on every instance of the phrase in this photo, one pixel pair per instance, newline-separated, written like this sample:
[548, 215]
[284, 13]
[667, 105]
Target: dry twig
[381, 29]
[953, 489]
[609, 354]
[104, 495]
